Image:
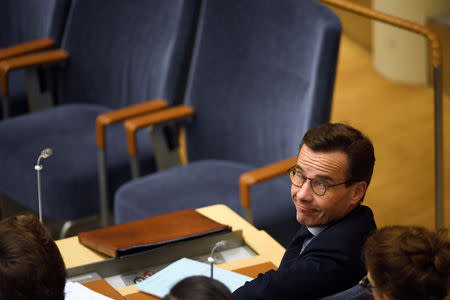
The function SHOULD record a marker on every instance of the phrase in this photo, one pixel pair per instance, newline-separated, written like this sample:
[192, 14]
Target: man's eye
[318, 182]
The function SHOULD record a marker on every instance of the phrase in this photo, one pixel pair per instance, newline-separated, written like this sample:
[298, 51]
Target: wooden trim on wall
[357, 28]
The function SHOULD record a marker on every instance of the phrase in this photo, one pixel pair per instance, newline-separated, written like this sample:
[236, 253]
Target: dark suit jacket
[330, 263]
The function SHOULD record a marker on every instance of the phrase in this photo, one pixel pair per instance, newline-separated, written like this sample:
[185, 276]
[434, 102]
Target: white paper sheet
[76, 291]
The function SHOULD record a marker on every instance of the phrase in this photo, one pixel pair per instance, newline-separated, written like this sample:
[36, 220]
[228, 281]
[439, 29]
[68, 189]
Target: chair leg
[39, 96]
[5, 106]
[248, 214]
[166, 155]
[103, 186]
[134, 167]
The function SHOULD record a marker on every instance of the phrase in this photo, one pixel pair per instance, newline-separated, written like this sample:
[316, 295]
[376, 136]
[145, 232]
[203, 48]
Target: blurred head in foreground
[199, 288]
[408, 263]
[31, 266]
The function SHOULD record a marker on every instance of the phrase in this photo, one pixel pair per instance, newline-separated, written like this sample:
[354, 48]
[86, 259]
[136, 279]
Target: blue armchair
[262, 74]
[113, 54]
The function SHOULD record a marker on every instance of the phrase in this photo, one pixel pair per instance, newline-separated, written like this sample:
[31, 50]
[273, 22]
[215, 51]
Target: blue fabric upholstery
[121, 53]
[138, 50]
[262, 74]
[22, 21]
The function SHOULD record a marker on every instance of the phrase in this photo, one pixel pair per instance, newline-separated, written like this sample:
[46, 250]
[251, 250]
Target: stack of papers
[76, 291]
[161, 283]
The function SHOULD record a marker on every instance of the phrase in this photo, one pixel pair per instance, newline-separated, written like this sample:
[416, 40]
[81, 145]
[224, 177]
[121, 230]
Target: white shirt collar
[316, 230]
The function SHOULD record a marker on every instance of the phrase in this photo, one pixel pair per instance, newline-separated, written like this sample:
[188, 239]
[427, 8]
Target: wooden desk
[269, 251]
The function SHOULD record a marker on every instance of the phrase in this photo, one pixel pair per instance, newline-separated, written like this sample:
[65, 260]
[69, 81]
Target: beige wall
[398, 54]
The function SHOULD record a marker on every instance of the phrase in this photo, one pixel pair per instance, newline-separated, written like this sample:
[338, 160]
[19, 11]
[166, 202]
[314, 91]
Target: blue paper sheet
[160, 283]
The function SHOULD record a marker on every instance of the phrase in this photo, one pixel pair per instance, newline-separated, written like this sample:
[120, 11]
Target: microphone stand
[38, 167]
[219, 245]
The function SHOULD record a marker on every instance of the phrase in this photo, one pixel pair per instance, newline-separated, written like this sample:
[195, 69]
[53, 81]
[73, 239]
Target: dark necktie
[294, 247]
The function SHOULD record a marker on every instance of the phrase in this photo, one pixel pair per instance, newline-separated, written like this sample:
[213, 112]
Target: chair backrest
[24, 20]
[262, 74]
[124, 52]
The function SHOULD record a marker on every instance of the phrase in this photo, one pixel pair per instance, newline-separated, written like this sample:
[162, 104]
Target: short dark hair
[409, 262]
[31, 266]
[199, 288]
[331, 137]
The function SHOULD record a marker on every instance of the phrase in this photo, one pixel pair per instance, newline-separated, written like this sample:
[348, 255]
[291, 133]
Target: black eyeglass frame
[367, 286]
[292, 169]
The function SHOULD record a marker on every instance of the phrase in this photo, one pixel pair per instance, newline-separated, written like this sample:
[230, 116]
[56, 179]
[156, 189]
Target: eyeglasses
[318, 187]
[365, 283]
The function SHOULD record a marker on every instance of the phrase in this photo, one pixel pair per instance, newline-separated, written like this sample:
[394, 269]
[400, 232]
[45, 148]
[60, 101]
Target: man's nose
[305, 192]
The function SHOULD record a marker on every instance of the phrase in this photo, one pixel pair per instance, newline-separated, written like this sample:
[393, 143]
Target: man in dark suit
[333, 170]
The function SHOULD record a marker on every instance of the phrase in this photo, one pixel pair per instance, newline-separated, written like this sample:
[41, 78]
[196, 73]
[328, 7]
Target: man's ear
[359, 189]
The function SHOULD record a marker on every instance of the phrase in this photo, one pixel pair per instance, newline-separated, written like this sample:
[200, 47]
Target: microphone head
[218, 246]
[221, 244]
[46, 152]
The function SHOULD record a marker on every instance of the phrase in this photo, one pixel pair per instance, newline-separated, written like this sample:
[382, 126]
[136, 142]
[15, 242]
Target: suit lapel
[293, 250]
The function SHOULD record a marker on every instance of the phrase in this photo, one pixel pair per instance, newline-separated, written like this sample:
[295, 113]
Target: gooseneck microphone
[218, 246]
[38, 167]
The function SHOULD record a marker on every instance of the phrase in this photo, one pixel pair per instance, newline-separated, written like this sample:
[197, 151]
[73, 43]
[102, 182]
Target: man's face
[330, 168]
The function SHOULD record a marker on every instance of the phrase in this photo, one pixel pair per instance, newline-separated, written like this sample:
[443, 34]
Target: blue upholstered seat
[262, 73]
[69, 177]
[120, 53]
[22, 21]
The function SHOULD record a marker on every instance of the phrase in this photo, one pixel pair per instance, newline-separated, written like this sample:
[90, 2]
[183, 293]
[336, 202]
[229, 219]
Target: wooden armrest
[28, 61]
[162, 116]
[27, 47]
[262, 174]
[121, 114]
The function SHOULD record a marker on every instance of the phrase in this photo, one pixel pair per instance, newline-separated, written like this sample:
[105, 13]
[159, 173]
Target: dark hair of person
[31, 266]
[199, 288]
[409, 263]
[331, 137]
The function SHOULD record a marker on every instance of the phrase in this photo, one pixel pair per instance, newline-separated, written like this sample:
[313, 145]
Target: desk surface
[269, 250]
